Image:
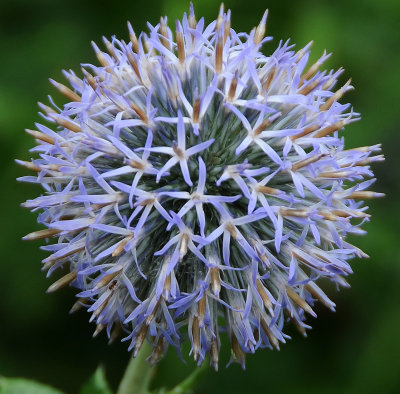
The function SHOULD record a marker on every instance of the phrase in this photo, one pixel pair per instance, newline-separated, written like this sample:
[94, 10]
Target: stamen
[302, 163]
[67, 92]
[314, 68]
[135, 164]
[196, 338]
[158, 351]
[227, 26]
[46, 108]
[62, 282]
[270, 78]
[219, 52]
[214, 351]
[261, 28]
[140, 339]
[309, 87]
[41, 234]
[133, 38]
[232, 87]
[179, 152]
[51, 260]
[90, 79]
[330, 129]
[237, 350]
[152, 315]
[201, 309]
[268, 190]
[164, 33]
[301, 213]
[334, 174]
[368, 161]
[100, 56]
[328, 84]
[79, 305]
[271, 337]
[300, 54]
[264, 296]
[365, 194]
[192, 18]
[142, 115]
[180, 43]
[215, 281]
[301, 329]
[231, 228]
[66, 123]
[183, 248]
[349, 212]
[305, 132]
[299, 301]
[29, 165]
[262, 127]
[167, 287]
[317, 293]
[110, 48]
[132, 61]
[336, 96]
[328, 215]
[220, 17]
[196, 110]
[101, 307]
[105, 280]
[99, 328]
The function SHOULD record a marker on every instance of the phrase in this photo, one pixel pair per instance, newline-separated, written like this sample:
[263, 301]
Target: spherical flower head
[194, 185]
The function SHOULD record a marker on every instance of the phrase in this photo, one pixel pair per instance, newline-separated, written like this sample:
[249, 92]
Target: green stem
[136, 379]
[188, 384]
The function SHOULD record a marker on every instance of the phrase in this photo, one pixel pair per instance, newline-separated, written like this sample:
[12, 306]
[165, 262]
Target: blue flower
[194, 185]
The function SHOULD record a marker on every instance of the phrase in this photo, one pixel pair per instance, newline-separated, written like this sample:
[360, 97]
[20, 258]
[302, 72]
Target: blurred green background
[356, 350]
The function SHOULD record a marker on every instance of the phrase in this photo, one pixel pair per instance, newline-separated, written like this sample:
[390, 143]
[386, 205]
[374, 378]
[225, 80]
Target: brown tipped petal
[62, 282]
[67, 92]
[299, 301]
[41, 234]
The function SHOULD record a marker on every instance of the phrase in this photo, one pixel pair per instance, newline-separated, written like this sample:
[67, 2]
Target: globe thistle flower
[194, 185]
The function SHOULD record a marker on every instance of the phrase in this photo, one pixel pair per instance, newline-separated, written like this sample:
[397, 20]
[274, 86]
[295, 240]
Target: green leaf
[97, 384]
[22, 386]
